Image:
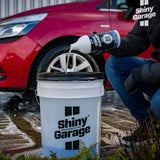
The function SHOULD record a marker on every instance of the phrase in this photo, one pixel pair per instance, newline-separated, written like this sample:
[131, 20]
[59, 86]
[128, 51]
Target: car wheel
[55, 60]
[59, 60]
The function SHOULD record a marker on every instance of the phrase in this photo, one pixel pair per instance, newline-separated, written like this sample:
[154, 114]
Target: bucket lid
[70, 76]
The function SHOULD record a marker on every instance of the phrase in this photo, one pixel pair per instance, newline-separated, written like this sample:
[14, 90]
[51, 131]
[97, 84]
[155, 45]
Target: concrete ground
[20, 125]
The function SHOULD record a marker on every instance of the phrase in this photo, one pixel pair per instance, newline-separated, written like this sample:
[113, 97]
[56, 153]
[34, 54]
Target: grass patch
[84, 153]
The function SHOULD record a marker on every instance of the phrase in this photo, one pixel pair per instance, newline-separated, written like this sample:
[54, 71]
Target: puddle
[34, 120]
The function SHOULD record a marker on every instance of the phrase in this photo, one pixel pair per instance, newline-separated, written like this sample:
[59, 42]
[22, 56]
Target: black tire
[62, 49]
[54, 55]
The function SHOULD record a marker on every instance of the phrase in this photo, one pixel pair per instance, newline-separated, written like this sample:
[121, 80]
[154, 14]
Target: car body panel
[63, 22]
[15, 60]
[72, 19]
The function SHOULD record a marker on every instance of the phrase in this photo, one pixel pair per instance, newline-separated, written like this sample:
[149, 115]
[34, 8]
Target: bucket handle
[36, 97]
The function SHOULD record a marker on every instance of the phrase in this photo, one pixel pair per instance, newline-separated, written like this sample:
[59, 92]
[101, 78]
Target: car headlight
[20, 26]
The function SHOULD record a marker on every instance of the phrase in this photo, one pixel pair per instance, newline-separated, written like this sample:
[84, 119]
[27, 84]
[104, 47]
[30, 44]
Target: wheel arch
[45, 49]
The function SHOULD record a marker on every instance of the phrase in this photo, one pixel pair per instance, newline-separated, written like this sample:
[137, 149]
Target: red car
[38, 40]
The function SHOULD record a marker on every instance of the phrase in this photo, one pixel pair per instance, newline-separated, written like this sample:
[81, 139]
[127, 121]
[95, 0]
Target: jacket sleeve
[133, 44]
[150, 73]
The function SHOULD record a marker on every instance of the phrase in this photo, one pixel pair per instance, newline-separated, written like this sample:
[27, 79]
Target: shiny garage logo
[144, 13]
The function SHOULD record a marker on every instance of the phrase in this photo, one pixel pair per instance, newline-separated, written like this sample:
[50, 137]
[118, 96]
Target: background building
[11, 7]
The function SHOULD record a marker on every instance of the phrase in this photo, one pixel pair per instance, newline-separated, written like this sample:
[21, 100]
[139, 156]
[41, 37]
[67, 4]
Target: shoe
[141, 135]
[137, 137]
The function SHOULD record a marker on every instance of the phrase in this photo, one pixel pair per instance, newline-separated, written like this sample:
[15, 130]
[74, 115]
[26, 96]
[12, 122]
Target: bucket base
[61, 153]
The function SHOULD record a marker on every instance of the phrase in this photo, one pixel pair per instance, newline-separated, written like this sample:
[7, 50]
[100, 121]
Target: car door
[118, 9]
[103, 23]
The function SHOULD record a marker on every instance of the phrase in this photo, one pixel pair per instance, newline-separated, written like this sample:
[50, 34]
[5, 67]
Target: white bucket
[70, 106]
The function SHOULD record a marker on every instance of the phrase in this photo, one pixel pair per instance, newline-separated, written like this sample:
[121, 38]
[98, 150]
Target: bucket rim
[70, 76]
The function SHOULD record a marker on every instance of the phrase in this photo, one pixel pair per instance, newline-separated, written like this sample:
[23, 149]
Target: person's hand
[132, 80]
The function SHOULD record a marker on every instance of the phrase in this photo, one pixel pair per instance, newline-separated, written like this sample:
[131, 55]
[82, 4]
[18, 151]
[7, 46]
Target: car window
[102, 6]
[118, 4]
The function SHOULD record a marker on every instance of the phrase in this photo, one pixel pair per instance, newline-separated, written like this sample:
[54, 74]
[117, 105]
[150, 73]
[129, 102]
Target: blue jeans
[117, 70]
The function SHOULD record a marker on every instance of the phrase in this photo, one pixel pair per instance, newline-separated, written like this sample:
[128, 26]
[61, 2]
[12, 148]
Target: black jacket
[139, 40]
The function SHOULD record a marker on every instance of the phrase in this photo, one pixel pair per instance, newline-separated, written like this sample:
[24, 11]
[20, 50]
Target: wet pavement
[20, 126]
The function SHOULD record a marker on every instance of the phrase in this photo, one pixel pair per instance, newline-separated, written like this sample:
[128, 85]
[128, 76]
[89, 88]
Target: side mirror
[129, 14]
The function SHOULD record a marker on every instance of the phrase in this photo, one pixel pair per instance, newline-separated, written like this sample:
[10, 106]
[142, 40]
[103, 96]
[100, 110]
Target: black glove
[132, 80]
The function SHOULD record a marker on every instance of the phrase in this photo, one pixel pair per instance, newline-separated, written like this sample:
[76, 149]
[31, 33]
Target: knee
[155, 102]
[110, 63]
[114, 61]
